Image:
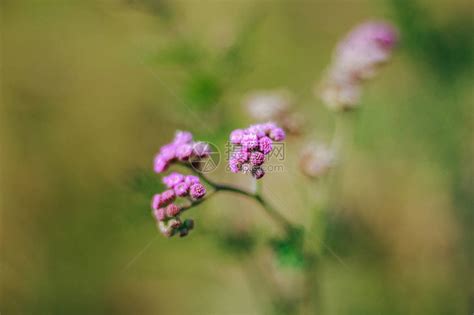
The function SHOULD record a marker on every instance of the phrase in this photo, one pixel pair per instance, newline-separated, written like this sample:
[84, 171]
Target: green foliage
[289, 249]
[202, 91]
[447, 50]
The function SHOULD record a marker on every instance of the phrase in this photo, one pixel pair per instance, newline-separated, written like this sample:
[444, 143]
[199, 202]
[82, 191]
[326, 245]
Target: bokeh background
[91, 90]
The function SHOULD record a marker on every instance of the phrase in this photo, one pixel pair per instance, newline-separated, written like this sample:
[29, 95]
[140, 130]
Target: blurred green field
[91, 90]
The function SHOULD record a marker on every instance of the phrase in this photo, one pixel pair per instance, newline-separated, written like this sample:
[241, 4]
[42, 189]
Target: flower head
[172, 210]
[160, 214]
[191, 179]
[167, 197]
[173, 179]
[164, 209]
[265, 145]
[236, 136]
[197, 191]
[356, 59]
[316, 160]
[181, 189]
[255, 143]
[182, 148]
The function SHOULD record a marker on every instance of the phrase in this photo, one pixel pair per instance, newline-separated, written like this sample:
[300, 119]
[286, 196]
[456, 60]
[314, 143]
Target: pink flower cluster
[355, 60]
[251, 146]
[182, 148]
[166, 212]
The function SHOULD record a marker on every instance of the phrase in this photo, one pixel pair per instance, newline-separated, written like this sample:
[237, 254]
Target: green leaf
[289, 250]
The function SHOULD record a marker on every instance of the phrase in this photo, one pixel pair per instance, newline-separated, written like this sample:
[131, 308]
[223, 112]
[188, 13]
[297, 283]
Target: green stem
[270, 210]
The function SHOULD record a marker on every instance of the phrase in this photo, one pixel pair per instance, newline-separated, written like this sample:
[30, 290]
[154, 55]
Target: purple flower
[191, 179]
[184, 151]
[356, 59]
[236, 136]
[167, 197]
[257, 141]
[197, 191]
[234, 165]
[265, 145]
[268, 127]
[156, 201]
[250, 141]
[160, 214]
[277, 134]
[257, 130]
[182, 148]
[160, 164]
[173, 179]
[241, 155]
[172, 210]
[257, 158]
[201, 149]
[182, 137]
[168, 152]
[181, 189]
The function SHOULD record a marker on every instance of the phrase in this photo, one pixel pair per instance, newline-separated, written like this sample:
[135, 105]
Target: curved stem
[272, 212]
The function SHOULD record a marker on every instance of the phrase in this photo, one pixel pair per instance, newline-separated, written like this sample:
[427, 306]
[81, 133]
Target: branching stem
[257, 196]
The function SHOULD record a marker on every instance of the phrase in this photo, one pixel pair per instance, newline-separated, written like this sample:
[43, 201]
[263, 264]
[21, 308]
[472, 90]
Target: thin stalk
[257, 196]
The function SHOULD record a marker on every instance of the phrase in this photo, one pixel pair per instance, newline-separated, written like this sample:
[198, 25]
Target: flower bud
[181, 189]
[265, 145]
[173, 179]
[172, 210]
[165, 229]
[182, 137]
[159, 214]
[277, 134]
[156, 201]
[197, 191]
[258, 172]
[236, 136]
[184, 152]
[257, 158]
[189, 224]
[167, 197]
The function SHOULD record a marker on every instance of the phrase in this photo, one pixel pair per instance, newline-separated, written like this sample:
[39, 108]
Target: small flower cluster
[251, 146]
[274, 105]
[182, 148]
[166, 212]
[316, 160]
[355, 60]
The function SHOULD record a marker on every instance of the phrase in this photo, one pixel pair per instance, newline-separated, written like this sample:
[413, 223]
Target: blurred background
[91, 90]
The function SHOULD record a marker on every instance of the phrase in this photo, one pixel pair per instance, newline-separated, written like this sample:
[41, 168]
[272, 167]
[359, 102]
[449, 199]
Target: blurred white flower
[276, 106]
[316, 159]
